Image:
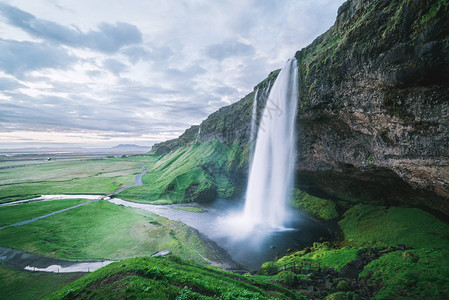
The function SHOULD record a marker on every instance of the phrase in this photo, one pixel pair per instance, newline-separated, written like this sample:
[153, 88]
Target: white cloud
[145, 70]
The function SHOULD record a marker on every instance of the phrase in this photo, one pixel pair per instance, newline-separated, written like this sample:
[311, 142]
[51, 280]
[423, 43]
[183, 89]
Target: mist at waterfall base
[262, 244]
[265, 220]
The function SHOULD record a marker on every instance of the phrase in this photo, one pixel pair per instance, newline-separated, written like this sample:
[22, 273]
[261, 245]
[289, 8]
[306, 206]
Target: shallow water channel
[252, 250]
[25, 261]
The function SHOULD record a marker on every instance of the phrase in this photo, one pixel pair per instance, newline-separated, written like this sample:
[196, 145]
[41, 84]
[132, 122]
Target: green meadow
[102, 230]
[12, 214]
[90, 176]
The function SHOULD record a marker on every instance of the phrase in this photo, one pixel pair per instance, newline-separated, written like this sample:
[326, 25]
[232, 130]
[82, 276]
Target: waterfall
[253, 119]
[271, 175]
[198, 134]
[253, 133]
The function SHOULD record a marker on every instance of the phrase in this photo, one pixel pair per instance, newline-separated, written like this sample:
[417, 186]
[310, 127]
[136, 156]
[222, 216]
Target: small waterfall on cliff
[253, 132]
[271, 176]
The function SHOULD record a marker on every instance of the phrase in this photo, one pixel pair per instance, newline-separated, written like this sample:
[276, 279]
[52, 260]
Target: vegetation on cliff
[198, 172]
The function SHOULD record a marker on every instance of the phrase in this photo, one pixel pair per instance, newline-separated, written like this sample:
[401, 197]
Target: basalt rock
[374, 97]
[373, 107]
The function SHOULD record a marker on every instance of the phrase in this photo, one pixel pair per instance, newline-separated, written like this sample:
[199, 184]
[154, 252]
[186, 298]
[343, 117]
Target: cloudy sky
[103, 72]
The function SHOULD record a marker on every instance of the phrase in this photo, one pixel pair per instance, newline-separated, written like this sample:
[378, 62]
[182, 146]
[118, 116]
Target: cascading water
[252, 138]
[271, 175]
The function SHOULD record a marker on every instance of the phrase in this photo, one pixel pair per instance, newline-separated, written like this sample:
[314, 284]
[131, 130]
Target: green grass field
[21, 285]
[11, 214]
[102, 230]
[91, 176]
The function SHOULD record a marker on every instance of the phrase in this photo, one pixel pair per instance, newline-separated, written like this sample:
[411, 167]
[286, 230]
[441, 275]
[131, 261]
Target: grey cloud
[138, 53]
[108, 38]
[187, 73]
[94, 73]
[114, 66]
[7, 84]
[229, 49]
[19, 57]
[225, 90]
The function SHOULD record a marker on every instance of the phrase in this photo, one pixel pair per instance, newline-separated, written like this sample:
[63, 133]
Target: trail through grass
[12, 214]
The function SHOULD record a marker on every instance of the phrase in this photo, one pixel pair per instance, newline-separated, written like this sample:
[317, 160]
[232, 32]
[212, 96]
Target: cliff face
[374, 96]
[373, 110]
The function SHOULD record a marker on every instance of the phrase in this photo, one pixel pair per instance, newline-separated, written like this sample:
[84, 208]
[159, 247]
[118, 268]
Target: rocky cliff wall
[374, 97]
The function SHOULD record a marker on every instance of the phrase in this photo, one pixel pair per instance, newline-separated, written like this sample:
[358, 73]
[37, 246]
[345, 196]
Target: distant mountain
[122, 149]
[130, 148]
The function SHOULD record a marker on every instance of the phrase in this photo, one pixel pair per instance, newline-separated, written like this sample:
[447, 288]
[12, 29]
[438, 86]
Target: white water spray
[271, 176]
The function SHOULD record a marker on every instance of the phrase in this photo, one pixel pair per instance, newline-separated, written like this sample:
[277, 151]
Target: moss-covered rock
[417, 274]
[343, 285]
[287, 278]
[337, 296]
[321, 208]
[379, 225]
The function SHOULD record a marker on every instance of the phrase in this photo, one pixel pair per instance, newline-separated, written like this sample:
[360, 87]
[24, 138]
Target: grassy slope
[102, 230]
[20, 212]
[95, 176]
[181, 176]
[16, 284]
[167, 278]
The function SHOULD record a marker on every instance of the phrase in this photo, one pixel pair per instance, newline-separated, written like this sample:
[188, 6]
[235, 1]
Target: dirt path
[138, 182]
[50, 214]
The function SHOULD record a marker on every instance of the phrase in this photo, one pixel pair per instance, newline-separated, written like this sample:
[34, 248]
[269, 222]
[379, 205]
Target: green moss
[321, 208]
[337, 296]
[328, 257]
[167, 278]
[414, 274]
[287, 278]
[378, 225]
[437, 7]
